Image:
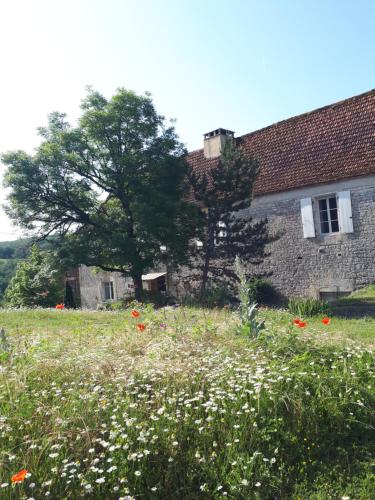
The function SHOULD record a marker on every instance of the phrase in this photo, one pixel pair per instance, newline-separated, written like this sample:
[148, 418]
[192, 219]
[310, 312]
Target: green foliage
[37, 282]
[17, 249]
[182, 410]
[4, 342]
[213, 296]
[4, 346]
[222, 194]
[7, 270]
[157, 299]
[362, 296]
[262, 292]
[307, 307]
[248, 310]
[124, 152]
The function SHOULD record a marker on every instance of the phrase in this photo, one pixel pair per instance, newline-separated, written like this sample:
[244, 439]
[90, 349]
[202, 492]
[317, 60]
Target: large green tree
[111, 189]
[227, 230]
[38, 281]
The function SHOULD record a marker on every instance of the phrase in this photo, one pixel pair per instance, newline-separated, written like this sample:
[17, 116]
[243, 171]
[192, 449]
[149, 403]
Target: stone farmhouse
[316, 186]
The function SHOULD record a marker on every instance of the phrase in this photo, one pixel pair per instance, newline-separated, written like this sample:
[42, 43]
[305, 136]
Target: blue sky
[238, 64]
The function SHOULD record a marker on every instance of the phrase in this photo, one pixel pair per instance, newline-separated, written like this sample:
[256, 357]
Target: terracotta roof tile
[330, 143]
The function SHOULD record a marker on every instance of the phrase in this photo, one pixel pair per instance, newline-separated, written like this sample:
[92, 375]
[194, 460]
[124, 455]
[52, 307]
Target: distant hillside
[17, 249]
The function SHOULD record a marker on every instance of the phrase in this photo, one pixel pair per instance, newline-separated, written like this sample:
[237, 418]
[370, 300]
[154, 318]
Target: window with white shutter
[345, 212]
[328, 214]
[307, 215]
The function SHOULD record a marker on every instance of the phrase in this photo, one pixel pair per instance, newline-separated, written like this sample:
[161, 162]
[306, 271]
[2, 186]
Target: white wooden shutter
[307, 218]
[345, 212]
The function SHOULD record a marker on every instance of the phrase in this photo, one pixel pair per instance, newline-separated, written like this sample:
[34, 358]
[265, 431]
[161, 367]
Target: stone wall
[327, 263]
[91, 284]
[297, 266]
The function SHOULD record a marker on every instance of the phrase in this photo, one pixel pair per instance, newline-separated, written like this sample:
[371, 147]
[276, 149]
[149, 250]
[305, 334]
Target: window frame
[328, 209]
[108, 285]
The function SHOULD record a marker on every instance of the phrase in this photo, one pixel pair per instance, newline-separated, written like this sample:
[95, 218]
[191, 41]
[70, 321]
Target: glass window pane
[324, 216]
[332, 202]
[108, 290]
[324, 227]
[335, 226]
[333, 214]
[323, 204]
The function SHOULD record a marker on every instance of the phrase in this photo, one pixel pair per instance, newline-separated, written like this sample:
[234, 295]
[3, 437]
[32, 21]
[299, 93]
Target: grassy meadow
[92, 407]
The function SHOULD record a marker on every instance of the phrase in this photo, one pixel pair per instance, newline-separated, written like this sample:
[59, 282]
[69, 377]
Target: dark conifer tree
[224, 196]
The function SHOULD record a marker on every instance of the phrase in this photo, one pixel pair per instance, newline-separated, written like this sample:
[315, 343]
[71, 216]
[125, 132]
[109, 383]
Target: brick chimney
[214, 142]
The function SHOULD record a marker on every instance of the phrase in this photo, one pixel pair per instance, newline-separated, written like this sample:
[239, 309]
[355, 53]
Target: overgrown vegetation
[37, 282]
[223, 195]
[363, 296]
[307, 307]
[91, 406]
[111, 191]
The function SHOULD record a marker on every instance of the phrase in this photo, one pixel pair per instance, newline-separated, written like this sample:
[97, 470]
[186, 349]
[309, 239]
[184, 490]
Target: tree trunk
[206, 268]
[207, 257]
[138, 287]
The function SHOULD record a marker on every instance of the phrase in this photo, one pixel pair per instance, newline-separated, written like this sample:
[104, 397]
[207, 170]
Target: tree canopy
[224, 195]
[37, 282]
[110, 189]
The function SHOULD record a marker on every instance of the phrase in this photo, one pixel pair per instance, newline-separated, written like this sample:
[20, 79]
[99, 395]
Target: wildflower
[297, 321]
[302, 324]
[19, 477]
[326, 321]
[258, 484]
[141, 327]
[245, 482]
[100, 480]
[135, 313]
[163, 325]
[137, 473]
[60, 306]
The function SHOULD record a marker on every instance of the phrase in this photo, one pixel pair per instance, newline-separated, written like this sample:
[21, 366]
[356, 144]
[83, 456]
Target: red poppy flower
[326, 320]
[135, 313]
[59, 306]
[297, 321]
[302, 324]
[141, 327]
[19, 477]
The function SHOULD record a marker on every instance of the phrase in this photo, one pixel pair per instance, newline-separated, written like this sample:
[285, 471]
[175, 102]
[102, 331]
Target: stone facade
[92, 286]
[326, 263]
[319, 266]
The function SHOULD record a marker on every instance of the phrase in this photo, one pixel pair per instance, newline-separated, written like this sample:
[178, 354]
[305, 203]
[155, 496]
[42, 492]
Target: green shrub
[38, 281]
[307, 307]
[157, 299]
[214, 296]
[262, 292]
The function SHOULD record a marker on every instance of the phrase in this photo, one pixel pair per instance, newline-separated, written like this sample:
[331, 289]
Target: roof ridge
[302, 115]
[313, 111]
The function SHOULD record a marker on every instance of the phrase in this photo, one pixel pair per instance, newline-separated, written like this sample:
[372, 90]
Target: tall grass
[307, 307]
[185, 409]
